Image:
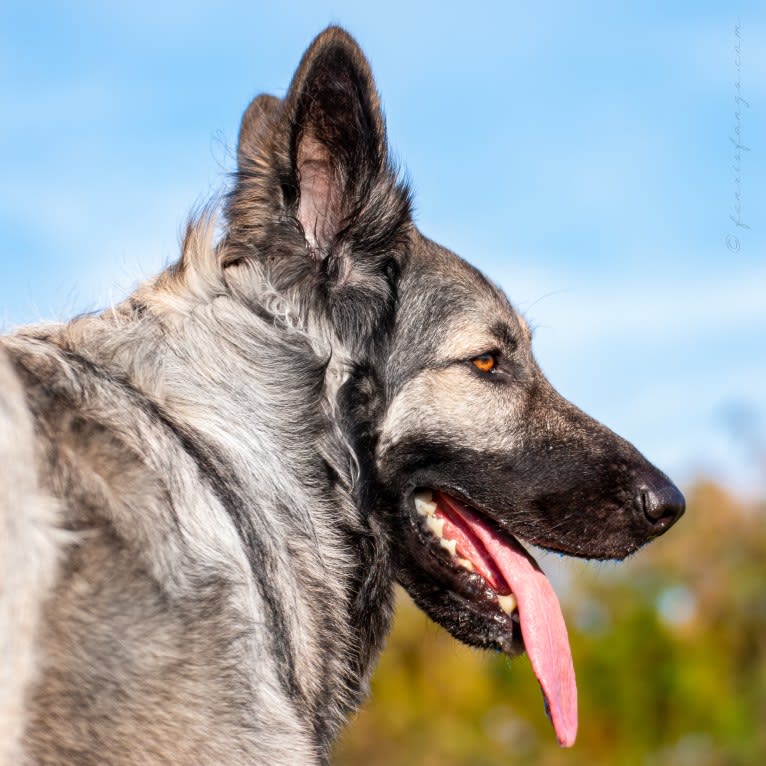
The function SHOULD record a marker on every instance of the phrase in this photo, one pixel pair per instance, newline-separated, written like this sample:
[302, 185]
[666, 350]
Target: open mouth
[468, 540]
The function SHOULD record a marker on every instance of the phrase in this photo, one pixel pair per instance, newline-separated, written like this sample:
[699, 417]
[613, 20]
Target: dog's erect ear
[320, 158]
[337, 135]
[257, 121]
[316, 200]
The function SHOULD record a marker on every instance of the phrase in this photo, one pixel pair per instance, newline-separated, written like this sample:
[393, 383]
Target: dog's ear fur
[316, 197]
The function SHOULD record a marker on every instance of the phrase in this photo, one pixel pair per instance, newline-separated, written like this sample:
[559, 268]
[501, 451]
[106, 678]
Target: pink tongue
[542, 624]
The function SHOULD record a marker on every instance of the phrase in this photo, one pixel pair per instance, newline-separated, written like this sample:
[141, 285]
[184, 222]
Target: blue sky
[579, 154]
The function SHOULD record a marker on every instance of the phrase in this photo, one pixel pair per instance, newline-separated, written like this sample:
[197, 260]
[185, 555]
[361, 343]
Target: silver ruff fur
[208, 491]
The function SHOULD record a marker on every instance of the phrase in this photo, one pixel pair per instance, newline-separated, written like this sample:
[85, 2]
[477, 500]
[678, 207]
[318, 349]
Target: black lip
[468, 589]
[577, 500]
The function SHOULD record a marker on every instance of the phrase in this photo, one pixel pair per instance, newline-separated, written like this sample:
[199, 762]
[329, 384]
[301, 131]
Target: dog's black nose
[661, 505]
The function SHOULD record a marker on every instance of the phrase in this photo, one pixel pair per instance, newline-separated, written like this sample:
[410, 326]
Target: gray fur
[29, 553]
[158, 595]
[205, 490]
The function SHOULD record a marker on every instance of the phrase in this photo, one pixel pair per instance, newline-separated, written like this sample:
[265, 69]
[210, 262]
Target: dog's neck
[186, 341]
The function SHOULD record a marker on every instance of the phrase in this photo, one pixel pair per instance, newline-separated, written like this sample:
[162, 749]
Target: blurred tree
[670, 652]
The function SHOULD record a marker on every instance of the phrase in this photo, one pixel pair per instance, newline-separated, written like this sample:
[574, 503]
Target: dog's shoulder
[30, 545]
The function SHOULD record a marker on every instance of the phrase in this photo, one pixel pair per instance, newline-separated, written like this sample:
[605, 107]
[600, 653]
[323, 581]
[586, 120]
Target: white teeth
[423, 503]
[435, 525]
[426, 507]
[450, 545]
[507, 603]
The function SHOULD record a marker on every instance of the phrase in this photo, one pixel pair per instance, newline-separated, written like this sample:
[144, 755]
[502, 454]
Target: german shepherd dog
[209, 490]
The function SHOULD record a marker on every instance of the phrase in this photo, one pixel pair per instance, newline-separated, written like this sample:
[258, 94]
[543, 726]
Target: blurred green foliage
[669, 649]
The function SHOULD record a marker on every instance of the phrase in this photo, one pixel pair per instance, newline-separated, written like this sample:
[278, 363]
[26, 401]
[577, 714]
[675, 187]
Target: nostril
[661, 507]
[643, 496]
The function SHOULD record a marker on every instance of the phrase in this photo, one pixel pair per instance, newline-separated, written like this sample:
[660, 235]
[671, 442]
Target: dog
[209, 490]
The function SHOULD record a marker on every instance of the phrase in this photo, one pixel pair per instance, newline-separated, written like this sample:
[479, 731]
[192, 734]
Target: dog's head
[466, 445]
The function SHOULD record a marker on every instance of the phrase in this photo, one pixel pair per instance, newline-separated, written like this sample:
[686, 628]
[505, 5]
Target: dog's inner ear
[337, 138]
[320, 196]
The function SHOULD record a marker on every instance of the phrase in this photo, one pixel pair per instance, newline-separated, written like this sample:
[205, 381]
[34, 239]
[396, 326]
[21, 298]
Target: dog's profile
[208, 491]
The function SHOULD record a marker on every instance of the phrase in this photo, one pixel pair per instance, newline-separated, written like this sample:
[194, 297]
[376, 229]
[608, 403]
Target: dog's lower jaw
[476, 551]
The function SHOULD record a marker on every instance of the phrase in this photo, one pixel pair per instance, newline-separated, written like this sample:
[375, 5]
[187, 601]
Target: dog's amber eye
[485, 362]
